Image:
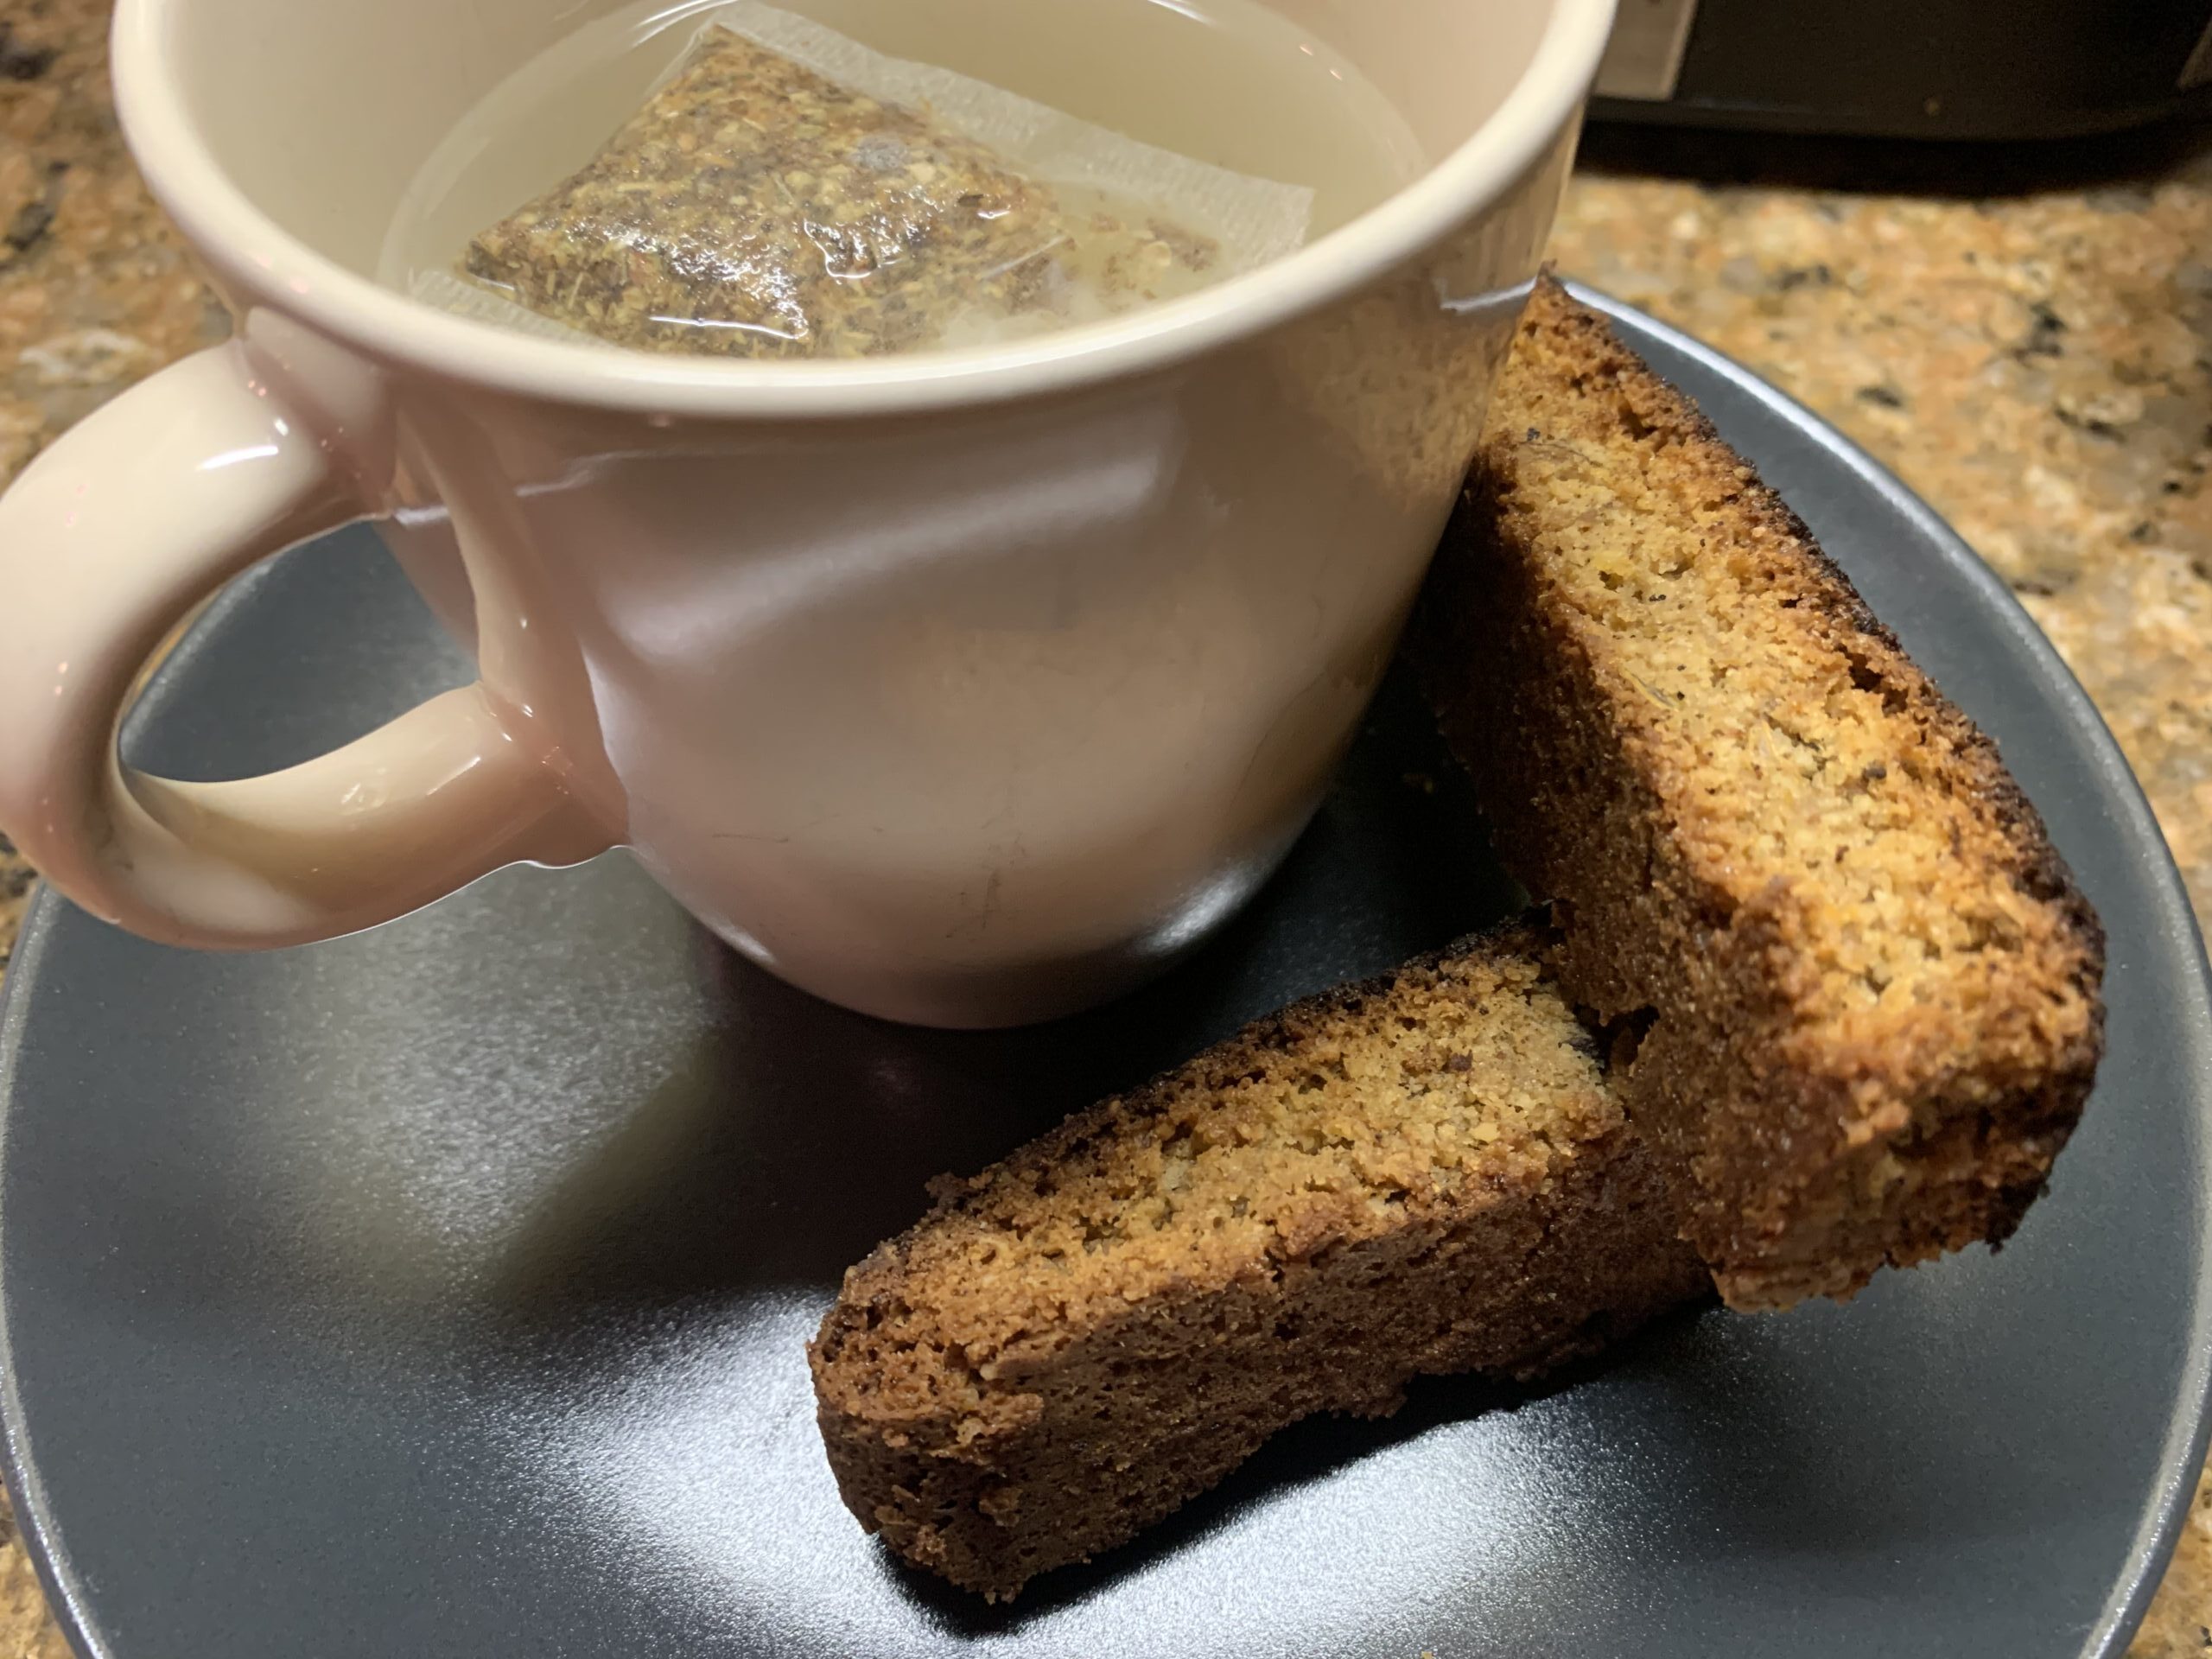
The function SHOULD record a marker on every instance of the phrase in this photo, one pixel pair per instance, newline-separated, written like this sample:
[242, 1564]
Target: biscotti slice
[1424, 1173]
[1871, 986]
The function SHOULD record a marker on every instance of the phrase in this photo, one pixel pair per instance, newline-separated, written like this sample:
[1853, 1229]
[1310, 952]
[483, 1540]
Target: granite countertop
[2033, 355]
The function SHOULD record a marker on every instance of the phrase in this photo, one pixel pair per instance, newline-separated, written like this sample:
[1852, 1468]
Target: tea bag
[788, 192]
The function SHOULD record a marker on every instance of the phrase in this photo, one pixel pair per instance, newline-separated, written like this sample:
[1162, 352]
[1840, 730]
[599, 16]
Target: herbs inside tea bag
[756, 207]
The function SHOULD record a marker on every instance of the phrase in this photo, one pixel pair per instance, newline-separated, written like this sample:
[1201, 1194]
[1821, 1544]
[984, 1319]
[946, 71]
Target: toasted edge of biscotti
[1813, 1128]
[1079, 1340]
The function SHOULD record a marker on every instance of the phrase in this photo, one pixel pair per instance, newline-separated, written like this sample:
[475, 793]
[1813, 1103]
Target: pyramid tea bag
[788, 192]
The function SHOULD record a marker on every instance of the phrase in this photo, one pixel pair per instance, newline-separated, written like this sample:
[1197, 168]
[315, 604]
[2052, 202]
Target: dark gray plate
[442, 1290]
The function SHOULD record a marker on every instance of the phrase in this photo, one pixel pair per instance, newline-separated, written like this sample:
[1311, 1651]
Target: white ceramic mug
[961, 688]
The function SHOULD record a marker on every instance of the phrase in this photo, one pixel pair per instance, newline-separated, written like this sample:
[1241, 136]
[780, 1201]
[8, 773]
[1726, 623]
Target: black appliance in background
[1980, 69]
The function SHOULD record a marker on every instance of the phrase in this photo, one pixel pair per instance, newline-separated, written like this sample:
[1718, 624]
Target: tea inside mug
[772, 188]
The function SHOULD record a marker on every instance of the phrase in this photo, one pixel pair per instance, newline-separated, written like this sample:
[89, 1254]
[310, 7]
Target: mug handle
[107, 543]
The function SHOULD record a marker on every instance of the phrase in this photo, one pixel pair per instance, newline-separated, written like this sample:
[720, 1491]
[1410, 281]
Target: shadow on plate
[797, 1135]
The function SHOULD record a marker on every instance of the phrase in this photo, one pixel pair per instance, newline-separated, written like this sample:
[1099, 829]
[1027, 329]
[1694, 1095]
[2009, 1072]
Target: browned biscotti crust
[1424, 1173]
[1872, 983]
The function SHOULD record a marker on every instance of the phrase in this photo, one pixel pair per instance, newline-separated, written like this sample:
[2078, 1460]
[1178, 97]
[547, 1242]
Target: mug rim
[231, 231]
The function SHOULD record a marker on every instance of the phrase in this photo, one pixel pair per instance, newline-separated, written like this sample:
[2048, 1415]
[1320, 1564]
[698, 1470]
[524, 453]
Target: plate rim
[57, 1576]
[2183, 1445]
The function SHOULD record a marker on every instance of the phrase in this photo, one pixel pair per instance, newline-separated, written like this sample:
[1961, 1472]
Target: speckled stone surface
[2032, 353]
